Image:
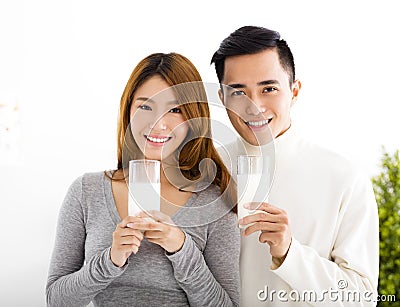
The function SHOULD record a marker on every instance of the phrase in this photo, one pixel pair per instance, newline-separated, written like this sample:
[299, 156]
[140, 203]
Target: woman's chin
[159, 157]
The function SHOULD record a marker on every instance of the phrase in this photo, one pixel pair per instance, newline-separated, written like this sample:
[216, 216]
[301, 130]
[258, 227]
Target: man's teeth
[259, 123]
[157, 140]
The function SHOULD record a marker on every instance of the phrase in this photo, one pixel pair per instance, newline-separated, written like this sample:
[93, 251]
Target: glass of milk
[251, 183]
[144, 186]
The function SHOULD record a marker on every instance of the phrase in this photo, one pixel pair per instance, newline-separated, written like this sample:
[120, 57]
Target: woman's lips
[157, 140]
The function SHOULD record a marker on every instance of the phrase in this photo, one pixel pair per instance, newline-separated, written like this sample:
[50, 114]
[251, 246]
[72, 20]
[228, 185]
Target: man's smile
[258, 124]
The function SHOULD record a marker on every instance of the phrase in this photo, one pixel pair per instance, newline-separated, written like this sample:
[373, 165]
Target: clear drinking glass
[251, 183]
[144, 186]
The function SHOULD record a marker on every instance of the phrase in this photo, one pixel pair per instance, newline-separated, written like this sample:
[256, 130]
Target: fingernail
[130, 225]
[241, 221]
[247, 206]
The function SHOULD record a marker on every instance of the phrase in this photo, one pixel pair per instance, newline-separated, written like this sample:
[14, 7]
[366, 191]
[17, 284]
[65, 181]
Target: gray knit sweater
[205, 272]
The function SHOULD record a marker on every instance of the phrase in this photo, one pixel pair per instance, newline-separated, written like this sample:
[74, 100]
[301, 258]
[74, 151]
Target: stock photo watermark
[339, 294]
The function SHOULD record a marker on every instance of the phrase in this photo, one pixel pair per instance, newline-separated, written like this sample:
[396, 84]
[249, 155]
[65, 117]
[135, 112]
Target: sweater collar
[281, 144]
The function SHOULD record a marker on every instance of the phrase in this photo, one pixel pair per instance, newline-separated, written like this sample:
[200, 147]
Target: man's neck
[284, 130]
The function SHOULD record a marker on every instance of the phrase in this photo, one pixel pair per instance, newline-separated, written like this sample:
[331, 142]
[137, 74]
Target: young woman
[188, 253]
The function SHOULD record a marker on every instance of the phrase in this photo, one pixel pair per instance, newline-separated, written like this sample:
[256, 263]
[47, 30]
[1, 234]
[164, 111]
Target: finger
[152, 234]
[264, 227]
[263, 206]
[155, 215]
[129, 219]
[135, 249]
[134, 236]
[128, 231]
[128, 248]
[131, 240]
[146, 214]
[259, 217]
[147, 226]
[272, 238]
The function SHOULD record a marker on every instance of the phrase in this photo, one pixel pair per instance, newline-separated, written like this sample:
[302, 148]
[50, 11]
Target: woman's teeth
[157, 139]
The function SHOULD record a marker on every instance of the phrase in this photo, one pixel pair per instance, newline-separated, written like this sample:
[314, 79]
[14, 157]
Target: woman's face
[157, 123]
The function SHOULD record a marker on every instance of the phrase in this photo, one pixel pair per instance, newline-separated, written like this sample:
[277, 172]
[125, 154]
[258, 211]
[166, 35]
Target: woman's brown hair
[183, 76]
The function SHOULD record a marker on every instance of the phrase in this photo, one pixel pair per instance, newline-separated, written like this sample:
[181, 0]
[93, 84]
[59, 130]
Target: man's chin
[258, 139]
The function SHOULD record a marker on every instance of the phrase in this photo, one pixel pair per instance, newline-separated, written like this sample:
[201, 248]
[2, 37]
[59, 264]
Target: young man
[316, 240]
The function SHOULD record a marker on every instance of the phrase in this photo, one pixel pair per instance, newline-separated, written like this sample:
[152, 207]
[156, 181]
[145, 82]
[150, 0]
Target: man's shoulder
[333, 161]
[225, 149]
[228, 152]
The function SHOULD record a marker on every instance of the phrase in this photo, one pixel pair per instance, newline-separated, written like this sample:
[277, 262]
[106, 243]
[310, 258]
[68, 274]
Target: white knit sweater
[334, 223]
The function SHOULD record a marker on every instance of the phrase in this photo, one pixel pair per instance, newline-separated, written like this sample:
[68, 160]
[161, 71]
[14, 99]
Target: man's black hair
[251, 40]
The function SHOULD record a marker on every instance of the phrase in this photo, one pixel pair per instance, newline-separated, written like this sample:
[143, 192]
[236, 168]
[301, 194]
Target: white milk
[143, 196]
[247, 185]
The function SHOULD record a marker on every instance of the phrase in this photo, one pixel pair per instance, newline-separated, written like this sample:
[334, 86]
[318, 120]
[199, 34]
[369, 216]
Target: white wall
[67, 63]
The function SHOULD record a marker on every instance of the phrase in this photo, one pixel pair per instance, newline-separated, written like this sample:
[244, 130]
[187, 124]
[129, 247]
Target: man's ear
[295, 91]
[221, 95]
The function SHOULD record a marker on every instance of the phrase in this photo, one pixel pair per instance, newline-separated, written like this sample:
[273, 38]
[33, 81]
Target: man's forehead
[254, 69]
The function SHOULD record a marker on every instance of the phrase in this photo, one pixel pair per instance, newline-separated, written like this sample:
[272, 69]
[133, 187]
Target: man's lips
[259, 124]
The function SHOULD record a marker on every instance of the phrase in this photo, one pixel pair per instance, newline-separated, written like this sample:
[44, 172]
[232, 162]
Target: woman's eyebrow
[171, 102]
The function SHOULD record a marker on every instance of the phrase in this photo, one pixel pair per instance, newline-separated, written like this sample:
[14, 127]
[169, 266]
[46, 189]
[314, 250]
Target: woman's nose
[159, 124]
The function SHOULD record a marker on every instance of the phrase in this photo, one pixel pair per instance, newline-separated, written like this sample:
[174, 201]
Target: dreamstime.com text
[340, 294]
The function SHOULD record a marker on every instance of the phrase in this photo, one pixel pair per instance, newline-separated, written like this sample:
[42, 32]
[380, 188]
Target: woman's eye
[175, 110]
[269, 89]
[145, 107]
[238, 93]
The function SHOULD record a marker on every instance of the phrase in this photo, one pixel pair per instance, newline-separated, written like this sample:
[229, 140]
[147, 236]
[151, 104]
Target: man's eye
[238, 93]
[269, 89]
[145, 107]
[175, 110]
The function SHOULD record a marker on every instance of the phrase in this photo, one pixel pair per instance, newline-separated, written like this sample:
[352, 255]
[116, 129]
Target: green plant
[387, 193]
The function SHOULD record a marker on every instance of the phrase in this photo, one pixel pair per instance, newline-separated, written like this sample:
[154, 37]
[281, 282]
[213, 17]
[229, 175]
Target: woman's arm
[211, 278]
[70, 282]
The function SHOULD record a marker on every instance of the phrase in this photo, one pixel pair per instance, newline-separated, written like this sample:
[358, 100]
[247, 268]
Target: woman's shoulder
[94, 178]
[212, 191]
[88, 182]
[214, 203]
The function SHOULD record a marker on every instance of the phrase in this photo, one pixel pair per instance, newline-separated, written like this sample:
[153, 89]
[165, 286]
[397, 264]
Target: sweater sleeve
[354, 265]
[71, 282]
[211, 278]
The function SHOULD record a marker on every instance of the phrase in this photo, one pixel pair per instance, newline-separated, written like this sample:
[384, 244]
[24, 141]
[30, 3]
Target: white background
[67, 62]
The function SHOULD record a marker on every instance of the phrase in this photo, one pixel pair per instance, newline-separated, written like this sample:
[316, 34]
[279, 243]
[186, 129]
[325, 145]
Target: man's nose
[255, 106]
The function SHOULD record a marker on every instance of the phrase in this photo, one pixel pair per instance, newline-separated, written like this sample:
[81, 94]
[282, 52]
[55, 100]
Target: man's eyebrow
[265, 82]
[268, 82]
[236, 85]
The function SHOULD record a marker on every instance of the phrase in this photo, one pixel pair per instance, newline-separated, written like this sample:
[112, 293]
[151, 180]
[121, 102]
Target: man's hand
[274, 226]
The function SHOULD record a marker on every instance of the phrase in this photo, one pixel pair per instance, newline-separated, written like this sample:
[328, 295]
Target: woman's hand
[161, 230]
[126, 241]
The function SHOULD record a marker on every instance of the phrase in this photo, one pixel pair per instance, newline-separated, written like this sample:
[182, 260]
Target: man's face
[258, 96]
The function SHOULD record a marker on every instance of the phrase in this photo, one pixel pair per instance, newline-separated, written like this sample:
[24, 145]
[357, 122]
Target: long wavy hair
[176, 70]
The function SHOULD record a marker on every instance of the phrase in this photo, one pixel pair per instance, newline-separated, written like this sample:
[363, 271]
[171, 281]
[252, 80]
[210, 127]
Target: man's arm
[354, 263]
